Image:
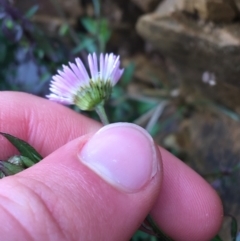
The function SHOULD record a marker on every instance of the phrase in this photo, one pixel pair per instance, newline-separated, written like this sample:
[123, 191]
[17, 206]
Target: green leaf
[234, 229]
[86, 43]
[26, 161]
[24, 148]
[104, 30]
[216, 238]
[2, 175]
[128, 74]
[31, 11]
[140, 235]
[9, 24]
[16, 160]
[90, 25]
[63, 29]
[8, 168]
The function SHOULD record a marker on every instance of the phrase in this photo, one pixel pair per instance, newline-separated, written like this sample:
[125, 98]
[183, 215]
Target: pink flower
[74, 85]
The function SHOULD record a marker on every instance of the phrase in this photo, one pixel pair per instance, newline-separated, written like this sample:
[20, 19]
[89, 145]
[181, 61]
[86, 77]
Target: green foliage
[86, 43]
[217, 238]
[141, 236]
[31, 12]
[234, 229]
[97, 36]
[128, 74]
[8, 169]
[29, 57]
[24, 148]
[27, 158]
[63, 29]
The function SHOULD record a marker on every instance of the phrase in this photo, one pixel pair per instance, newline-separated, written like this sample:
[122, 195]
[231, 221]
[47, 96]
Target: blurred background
[181, 79]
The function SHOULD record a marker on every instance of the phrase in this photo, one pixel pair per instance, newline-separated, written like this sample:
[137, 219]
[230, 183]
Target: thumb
[98, 187]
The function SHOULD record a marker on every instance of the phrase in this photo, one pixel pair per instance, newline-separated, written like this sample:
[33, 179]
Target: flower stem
[102, 114]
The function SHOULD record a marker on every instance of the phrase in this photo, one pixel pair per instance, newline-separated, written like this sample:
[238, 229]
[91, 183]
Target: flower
[73, 85]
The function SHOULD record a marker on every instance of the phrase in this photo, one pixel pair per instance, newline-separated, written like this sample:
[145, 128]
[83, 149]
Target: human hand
[63, 198]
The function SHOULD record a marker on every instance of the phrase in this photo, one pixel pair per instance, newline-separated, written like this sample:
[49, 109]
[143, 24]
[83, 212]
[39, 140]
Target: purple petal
[92, 61]
[58, 99]
[82, 69]
[79, 76]
[101, 68]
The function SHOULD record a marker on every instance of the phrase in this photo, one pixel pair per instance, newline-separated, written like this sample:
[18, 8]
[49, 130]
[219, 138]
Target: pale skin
[61, 199]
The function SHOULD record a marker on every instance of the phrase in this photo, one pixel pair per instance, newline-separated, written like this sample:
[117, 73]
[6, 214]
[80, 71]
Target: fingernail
[123, 154]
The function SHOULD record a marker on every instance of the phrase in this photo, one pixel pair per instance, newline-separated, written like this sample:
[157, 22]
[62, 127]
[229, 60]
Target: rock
[215, 10]
[146, 70]
[237, 2]
[147, 5]
[167, 7]
[207, 57]
[211, 10]
[212, 144]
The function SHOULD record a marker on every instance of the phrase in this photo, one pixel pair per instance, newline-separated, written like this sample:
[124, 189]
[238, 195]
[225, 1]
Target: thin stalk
[97, 11]
[97, 8]
[156, 115]
[102, 114]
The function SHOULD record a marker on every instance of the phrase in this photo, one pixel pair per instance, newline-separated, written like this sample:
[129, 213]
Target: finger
[89, 189]
[187, 207]
[30, 111]
[42, 123]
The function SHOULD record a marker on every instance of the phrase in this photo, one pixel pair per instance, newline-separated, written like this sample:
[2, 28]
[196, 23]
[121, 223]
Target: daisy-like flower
[74, 85]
